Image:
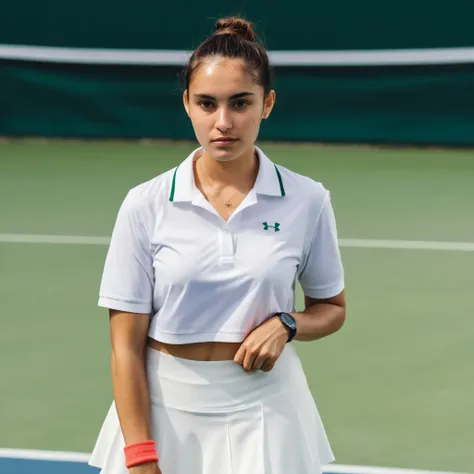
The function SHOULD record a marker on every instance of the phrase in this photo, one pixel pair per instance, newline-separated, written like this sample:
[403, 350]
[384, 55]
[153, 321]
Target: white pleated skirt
[212, 417]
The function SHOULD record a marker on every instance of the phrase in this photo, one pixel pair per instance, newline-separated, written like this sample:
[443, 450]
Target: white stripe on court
[347, 243]
[389, 57]
[348, 469]
[53, 239]
[84, 458]
[407, 244]
[44, 455]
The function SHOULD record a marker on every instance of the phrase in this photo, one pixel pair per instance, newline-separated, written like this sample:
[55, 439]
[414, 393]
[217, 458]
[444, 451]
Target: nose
[224, 122]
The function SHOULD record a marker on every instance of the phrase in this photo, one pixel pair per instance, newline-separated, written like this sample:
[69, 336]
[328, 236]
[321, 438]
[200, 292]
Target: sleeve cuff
[323, 293]
[127, 306]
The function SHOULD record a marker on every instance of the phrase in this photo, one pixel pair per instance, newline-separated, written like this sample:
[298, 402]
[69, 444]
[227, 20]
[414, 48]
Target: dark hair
[233, 38]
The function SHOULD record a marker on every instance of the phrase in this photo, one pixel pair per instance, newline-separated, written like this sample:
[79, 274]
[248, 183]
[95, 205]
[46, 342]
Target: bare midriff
[203, 351]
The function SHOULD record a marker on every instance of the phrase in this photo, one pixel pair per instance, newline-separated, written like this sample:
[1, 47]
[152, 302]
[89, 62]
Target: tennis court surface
[395, 387]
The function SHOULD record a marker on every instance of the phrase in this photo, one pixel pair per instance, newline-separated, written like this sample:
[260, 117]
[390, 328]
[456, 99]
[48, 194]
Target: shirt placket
[226, 246]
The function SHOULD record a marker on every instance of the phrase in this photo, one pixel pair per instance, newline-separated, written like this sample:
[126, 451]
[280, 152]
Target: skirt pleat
[211, 442]
[108, 453]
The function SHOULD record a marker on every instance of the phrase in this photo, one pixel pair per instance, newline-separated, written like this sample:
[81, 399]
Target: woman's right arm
[127, 291]
[128, 333]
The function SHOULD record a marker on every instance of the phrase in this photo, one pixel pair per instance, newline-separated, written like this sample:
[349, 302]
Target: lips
[224, 140]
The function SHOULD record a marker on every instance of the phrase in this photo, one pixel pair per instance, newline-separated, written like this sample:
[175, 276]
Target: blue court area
[29, 465]
[51, 462]
[37, 466]
[42, 466]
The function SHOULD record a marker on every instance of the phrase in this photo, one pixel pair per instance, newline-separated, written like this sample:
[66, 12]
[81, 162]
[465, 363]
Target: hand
[263, 346]
[146, 468]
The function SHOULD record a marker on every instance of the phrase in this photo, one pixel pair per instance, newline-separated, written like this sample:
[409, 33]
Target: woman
[199, 281]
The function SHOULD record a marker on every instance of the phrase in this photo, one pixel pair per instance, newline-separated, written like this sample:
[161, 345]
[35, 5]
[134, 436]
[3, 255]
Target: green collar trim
[173, 185]
[280, 180]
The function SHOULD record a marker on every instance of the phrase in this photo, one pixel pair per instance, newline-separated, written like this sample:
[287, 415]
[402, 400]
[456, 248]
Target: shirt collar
[269, 180]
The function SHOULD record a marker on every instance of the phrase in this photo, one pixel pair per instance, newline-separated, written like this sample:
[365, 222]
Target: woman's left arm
[263, 345]
[320, 318]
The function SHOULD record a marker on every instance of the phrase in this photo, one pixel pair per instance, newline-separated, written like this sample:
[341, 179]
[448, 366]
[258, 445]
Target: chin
[224, 153]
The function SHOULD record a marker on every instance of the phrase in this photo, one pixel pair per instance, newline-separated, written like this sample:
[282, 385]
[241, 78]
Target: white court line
[84, 458]
[348, 243]
[44, 455]
[347, 469]
[407, 244]
[53, 239]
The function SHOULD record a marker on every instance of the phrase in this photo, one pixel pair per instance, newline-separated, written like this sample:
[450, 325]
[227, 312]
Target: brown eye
[241, 104]
[205, 104]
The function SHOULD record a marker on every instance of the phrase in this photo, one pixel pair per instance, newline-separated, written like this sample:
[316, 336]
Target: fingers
[268, 365]
[239, 355]
[261, 359]
[252, 360]
[245, 357]
[262, 347]
[249, 360]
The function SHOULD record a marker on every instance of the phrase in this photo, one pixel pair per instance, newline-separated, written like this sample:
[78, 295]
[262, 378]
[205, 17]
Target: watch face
[288, 320]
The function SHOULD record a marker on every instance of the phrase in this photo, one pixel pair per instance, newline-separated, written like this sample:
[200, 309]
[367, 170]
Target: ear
[269, 103]
[186, 101]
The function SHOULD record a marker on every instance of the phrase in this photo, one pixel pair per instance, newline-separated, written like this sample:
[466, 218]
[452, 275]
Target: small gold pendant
[227, 203]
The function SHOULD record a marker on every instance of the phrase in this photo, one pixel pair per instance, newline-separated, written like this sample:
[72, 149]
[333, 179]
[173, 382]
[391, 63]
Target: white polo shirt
[204, 279]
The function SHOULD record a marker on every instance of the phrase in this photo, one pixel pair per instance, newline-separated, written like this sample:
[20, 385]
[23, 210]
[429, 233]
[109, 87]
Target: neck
[234, 172]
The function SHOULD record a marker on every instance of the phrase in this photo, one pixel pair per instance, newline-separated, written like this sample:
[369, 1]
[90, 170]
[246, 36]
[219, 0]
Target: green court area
[395, 387]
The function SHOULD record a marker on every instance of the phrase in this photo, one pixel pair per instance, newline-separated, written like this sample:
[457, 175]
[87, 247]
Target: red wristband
[139, 453]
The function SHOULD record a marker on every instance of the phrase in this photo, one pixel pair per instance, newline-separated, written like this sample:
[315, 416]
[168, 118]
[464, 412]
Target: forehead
[222, 77]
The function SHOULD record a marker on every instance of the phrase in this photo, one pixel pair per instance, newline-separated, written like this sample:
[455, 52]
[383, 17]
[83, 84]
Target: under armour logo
[275, 227]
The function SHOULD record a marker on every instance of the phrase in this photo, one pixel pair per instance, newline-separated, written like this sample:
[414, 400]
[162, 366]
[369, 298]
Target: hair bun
[235, 26]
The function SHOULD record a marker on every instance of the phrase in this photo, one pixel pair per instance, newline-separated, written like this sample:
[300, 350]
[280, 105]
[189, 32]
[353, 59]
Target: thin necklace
[227, 202]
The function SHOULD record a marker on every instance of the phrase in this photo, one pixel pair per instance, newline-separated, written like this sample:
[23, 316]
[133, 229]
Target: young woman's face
[226, 106]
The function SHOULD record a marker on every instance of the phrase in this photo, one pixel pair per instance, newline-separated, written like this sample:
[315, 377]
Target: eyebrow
[232, 97]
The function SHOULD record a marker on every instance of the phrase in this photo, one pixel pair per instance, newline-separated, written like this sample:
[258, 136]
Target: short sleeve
[127, 279]
[322, 274]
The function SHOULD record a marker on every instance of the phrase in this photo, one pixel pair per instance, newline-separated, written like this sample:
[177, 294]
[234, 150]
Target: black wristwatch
[289, 322]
